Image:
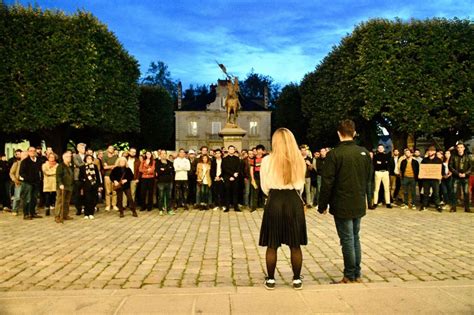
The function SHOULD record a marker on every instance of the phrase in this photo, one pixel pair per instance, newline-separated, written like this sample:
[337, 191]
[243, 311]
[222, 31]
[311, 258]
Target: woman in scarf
[91, 180]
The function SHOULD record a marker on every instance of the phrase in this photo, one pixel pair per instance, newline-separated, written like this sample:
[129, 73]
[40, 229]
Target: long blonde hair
[286, 159]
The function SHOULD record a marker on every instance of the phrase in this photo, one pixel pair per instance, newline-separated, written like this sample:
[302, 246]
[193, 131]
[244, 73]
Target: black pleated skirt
[284, 220]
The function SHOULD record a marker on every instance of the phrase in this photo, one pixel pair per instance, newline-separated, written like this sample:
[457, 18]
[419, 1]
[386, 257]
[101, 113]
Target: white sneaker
[161, 212]
[91, 217]
[404, 206]
[215, 208]
[107, 208]
[116, 208]
[86, 217]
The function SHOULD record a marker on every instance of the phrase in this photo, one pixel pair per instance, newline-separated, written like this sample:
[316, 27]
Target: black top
[164, 171]
[31, 171]
[381, 161]
[90, 181]
[460, 164]
[230, 165]
[434, 160]
[320, 165]
[344, 181]
[120, 173]
[308, 168]
[414, 165]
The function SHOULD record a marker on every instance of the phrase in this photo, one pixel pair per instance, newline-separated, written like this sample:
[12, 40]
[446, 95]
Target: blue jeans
[246, 192]
[29, 195]
[203, 193]
[464, 184]
[447, 190]
[409, 186]
[16, 198]
[348, 231]
[164, 196]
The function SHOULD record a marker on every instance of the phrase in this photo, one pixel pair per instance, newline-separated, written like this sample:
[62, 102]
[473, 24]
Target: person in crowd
[204, 181]
[282, 179]
[98, 162]
[91, 180]
[256, 192]
[344, 189]
[309, 168]
[133, 164]
[64, 187]
[30, 175]
[447, 181]
[431, 184]
[192, 180]
[381, 167]
[109, 160]
[15, 177]
[49, 183]
[409, 170]
[245, 178]
[5, 187]
[218, 189]
[121, 177]
[461, 167]
[181, 167]
[147, 170]
[230, 173]
[371, 183]
[78, 161]
[164, 177]
[319, 167]
[418, 157]
[394, 171]
[42, 158]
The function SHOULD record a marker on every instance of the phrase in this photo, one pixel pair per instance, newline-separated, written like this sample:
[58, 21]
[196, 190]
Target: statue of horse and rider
[232, 103]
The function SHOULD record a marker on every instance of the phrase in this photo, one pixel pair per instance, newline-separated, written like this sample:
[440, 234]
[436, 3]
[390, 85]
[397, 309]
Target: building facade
[198, 123]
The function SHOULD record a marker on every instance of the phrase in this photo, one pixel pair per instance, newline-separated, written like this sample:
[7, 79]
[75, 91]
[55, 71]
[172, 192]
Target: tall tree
[61, 73]
[254, 84]
[159, 75]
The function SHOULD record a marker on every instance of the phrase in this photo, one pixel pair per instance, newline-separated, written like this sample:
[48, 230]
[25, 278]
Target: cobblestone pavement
[215, 249]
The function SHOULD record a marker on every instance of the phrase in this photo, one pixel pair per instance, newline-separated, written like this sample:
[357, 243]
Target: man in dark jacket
[64, 187]
[461, 167]
[409, 169]
[344, 189]
[230, 173]
[431, 184]
[30, 175]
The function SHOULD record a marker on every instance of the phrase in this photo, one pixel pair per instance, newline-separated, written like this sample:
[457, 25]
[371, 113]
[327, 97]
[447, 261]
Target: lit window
[253, 128]
[216, 127]
[193, 128]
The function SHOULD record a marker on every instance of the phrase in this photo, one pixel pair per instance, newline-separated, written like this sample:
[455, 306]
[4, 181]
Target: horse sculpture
[232, 103]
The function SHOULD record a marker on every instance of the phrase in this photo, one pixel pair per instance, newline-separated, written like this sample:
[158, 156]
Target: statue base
[232, 134]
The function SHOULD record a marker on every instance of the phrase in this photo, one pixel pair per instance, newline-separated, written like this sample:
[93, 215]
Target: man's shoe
[116, 208]
[269, 283]
[237, 210]
[297, 284]
[453, 209]
[171, 212]
[91, 217]
[68, 218]
[27, 217]
[439, 209]
[15, 213]
[36, 216]
[389, 206]
[58, 220]
[467, 210]
[226, 210]
[404, 206]
[186, 207]
[86, 217]
[358, 280]
[121, 214]
[142, 209]
[422, 209]
[215, 208]
[253, 209]
[413, 207]
[161, 212]
[343, 281]
[371, 207]
[309, 206]
[107, 208]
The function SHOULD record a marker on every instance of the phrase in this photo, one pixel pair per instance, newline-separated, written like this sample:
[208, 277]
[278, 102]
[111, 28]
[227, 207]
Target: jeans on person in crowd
[447, 190]
[246, 196]
[427, 185]
[181, 193]
[409, 188]
[29, 196]
[147, 193]
[16, 198]
[462, 183]
[49, 199]
[348, 232]
[308, 191]
[164, 196]
[204, 193]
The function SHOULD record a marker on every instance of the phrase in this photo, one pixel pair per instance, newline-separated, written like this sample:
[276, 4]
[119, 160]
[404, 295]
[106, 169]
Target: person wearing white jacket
[181, 167]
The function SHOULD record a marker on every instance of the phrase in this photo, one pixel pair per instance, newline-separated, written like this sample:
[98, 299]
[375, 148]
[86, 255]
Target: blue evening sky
[283, 39]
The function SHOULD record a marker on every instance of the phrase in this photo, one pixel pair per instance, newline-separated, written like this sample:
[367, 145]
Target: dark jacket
[460, 164]
[4, 171]
[414, 165]
[344, 181]
[64, 176]
[392, 164]
[381, 162]
[320, 165]
[214, 169]
[230, 165]
[86, 182]
[30, 171]
[164, 172]
[120, 173]
[435, 160]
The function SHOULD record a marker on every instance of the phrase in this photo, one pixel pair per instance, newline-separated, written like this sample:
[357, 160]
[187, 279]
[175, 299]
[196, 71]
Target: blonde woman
[121, 176]
[282, 179]
[49, 182]
[204, 181]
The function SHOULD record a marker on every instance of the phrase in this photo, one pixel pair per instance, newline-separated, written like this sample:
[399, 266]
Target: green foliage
[156, 118]
[254, 84]
[288, 114]
[61, 71]
[159, 75]
[412, 77]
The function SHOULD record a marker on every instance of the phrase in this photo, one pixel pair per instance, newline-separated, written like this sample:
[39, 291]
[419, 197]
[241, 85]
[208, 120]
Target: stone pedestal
[232, 135]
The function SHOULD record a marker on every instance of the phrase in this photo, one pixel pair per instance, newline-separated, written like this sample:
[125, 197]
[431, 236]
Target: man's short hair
[431, 148]
[346, 128]
[181, 149]
[231, 146]
[260, 146]
[380, 145]
[218, 150]
[18, 150]
[203, 147]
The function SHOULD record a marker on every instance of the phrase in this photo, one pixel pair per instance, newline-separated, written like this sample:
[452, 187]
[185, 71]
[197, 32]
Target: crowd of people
[218, 179]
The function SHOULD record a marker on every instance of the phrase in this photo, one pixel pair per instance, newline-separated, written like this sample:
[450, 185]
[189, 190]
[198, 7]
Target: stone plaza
[206, 250]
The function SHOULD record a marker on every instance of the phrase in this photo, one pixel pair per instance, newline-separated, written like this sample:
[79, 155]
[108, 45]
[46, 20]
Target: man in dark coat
[30, 175]
[344, 188]
[230, 173]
